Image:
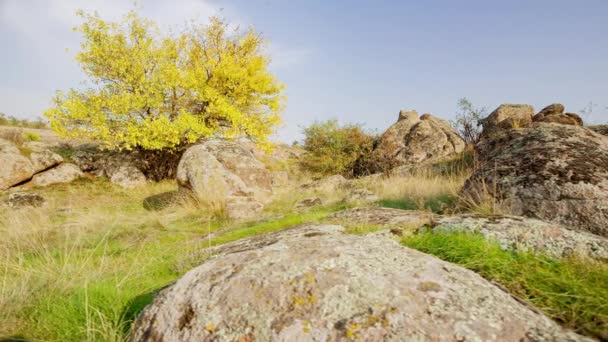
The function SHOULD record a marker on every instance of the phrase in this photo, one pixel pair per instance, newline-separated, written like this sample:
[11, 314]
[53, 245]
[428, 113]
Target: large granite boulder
[550, 171]
[15, 168]
[506, 116]
[601, 129]
[555, 113]
[242, 163]
[313, 283]
[41, 156]
[224, 171]
[63, 173]
[527, 234]
[413, 140]
[121, 168]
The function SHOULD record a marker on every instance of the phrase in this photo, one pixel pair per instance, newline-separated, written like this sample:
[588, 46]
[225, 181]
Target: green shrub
[31, 136]
[332, 148]
[572, 291]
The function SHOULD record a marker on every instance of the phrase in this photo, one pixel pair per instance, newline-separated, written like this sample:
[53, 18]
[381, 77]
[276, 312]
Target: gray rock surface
[63, 173]
[331, 183]
[555, 113]
[41, 156]
[505, 117]
[237, 159]
[385, 217]
[361, 196]
[24, 200]
[414, 140]
[313, 283]
[553, 172]
[526, 234]
[601, 129]
[240, 207]
[15, 168]
[308, 203]
[127, 176]
[223, 169]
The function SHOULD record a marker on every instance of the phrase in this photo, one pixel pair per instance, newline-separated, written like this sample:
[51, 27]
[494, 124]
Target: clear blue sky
[357, 61]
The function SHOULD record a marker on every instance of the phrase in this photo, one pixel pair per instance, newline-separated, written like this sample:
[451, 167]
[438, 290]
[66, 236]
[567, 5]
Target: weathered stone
[415, 140]
[89, 159]
[240, 207]
[386, 217]
[63, 173]
[557, 173]
[564, 119]
[308, 203]
[128, 176]
[505, 117]
[208, 179]
[280, 178]
[555, 113]
[525, 234]
[601, 129]
[41, 156]
[552, 109]
[328, 184]
[24, 199]
[361, 196]
[238, 160]
[14, 168]
[313, 283]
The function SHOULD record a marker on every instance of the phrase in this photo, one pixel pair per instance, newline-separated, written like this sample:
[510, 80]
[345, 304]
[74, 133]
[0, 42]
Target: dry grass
[77, 268]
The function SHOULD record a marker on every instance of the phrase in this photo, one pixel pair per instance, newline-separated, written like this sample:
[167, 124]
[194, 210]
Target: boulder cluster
[414, 140]
[315, 283]
[546, 166]
[33, 164]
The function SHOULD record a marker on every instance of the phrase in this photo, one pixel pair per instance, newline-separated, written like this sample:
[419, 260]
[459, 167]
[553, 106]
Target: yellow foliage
[153, 91]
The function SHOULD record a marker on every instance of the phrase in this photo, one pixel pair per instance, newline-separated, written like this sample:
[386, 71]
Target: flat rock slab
[386, 217]
[519, 233]
[314, 283]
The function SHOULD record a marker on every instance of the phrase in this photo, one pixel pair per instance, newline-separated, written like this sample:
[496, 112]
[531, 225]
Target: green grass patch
[87, 278]
[573, 292]
[290, 220]
[437, 205]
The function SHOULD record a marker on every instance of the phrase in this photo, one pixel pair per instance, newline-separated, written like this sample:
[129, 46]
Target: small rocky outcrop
[361, 196]
[41, 156]
[127, 176]
[238, 160]
[225, 172]
[15, 167]
[409, 220]
[328, 184]
[601, 129]
[64, 173]
[526, 234]
[19, 200]
[505, 117]
[306, 203]
[240, 207]
[549, 171]
[313, 283]
[119, 167]
[555, 113]
[413, 140]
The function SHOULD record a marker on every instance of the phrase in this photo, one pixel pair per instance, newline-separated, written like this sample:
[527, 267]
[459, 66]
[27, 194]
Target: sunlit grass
[572, 291]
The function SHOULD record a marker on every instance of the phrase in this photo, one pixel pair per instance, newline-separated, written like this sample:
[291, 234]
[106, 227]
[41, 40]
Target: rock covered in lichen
[526, 234]
[553, 172]
[313, 283]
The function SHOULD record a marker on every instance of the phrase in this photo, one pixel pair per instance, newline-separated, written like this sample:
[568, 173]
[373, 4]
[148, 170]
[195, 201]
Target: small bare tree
[467, 120]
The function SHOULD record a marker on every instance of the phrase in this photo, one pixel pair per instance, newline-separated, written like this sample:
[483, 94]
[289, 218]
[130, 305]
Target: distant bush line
[8, 120]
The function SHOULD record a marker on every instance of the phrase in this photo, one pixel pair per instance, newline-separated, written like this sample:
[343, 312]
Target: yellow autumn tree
[153, 92]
